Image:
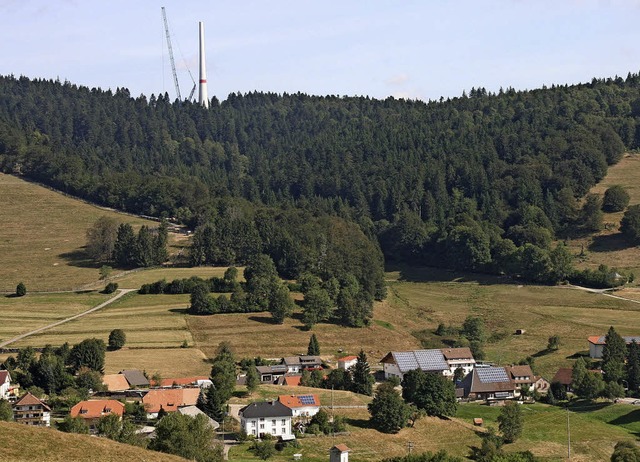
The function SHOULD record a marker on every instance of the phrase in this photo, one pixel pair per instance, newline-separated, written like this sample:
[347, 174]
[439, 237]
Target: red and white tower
[203, 98]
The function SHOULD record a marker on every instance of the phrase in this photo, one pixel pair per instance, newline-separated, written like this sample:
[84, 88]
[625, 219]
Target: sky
[417, 49]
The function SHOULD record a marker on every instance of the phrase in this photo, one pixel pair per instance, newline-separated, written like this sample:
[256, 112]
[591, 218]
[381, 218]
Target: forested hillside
[487, 180]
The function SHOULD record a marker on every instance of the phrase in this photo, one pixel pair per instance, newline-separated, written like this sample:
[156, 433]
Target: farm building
[93, 410]
[597, 343]
[442, 361]
[268, 417]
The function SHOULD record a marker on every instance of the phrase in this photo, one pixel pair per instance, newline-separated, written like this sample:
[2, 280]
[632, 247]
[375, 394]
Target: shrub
[616, 199]
[110, 288]
[21, 290]
[117, 339]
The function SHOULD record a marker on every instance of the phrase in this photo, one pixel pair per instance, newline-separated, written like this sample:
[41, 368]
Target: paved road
[120, 293]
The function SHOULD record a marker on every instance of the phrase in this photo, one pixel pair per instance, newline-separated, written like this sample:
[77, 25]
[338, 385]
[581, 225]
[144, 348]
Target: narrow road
[120, 293]
[604, 292]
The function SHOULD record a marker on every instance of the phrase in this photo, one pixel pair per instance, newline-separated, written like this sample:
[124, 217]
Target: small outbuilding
[339, 453]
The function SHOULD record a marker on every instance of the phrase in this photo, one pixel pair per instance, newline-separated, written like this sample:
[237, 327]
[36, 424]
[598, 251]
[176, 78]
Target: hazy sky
[416, 49]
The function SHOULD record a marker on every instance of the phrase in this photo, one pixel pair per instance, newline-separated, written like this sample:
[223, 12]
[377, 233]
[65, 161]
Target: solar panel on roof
[492, 375]
[307, 399]
[430, 360]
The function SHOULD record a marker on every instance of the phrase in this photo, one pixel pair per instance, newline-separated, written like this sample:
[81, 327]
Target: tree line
[487, 180]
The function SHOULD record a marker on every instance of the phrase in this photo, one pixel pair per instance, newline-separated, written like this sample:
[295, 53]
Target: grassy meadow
[609, 247]
[23, 314]
[22, 443]
[135, 279]
[43, 235]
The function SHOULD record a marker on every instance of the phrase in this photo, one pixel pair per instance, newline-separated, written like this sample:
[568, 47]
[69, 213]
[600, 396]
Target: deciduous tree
[511, 422]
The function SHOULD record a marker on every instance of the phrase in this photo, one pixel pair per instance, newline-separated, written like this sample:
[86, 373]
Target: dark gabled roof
[451, 354]
[487, 380]
[276, 369]
[135, 378]
[266, 409]
[3, 376]
[563, 376]
[427, 360]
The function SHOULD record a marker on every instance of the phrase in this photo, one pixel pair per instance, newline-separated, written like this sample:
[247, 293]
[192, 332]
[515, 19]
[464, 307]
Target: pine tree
[613, 356]
[361, 375]
[633, 367]
[314, 347]
[252, 379]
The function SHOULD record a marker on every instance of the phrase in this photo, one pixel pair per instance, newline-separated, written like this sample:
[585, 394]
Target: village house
[302, 406]
[522, 376]
[6, 390]
[200, 381]
[347, 362]
[193, 411]
[135, 378]
[115, 382]
[297, 364]
[597, 343]
[441, 361]
[169, 400]
[29, 410]
[271, 374]
[489, 384]
[91, 411]
[268, 417]
[564, 377]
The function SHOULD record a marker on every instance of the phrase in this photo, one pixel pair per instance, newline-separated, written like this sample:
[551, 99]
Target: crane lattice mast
[173, 64]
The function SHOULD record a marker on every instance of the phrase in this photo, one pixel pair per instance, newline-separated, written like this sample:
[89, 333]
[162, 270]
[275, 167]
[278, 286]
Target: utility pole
[568, 436]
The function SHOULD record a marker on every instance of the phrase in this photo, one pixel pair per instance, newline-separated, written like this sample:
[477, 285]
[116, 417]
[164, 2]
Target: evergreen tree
[252, 379]
[21, 290]
[630, 223]
[124, 247]
[117, 339]
[633, 367]
[6, 411]
[314, 347]
[88, 353]
[362, 380]
[212, 402]
[101, 238]
[613, 356]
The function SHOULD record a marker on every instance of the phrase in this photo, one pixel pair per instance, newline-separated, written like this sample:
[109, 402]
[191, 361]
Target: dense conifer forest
[328, 184]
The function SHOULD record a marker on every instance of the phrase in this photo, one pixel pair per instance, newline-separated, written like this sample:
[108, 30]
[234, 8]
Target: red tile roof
[292, 380]
[563, 376]
[348, 358]
[96, 408]
[293, 401]
[341, 448]
[169, 399]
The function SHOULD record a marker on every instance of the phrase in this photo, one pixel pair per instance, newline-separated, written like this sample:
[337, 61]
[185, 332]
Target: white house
[302, 406]
[458, 358]
[443, 361]
[267, 417]
[597, 343]
[347, 362]
[297, 364]
[29, 410]
[5, 384]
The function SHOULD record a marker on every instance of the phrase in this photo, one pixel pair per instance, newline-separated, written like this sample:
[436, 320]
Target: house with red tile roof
[346, 362]
[168, 399]
[301, 405]
[29, 410]
[597, 343]
[91, 411]
[291, 380]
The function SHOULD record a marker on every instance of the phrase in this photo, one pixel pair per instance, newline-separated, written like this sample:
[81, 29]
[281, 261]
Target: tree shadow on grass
[359, 423]
[11, 296]
[627, 419]
[80, 259]
[179, 310]
[609, 243]
[542, 353]
[579, 354]
[409, 273]
[587, 406]
[263, 319]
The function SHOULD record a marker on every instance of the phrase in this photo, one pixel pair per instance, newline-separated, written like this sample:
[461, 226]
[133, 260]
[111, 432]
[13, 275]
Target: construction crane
[173, 64]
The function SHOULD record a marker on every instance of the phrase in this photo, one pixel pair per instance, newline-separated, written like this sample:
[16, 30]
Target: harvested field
[169, 362]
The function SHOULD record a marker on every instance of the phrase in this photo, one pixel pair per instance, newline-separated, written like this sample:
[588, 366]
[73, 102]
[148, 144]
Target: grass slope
[609, 247]
[23, 443]
[43, 233]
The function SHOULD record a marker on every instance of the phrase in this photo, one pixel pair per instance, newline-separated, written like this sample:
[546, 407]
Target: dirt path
[120, 293]
[604, 292]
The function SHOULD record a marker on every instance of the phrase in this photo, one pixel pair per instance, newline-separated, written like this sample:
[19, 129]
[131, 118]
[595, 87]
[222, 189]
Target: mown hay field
[135, 279]
[43, 233]
[23, 314]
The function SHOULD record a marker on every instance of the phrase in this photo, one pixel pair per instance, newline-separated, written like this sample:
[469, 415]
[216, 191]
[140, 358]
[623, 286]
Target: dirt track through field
[120, 293]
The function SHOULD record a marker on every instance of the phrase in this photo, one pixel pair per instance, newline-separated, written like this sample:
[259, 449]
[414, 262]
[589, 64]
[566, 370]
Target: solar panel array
[427, 360]
[492, 374]
[307, 399]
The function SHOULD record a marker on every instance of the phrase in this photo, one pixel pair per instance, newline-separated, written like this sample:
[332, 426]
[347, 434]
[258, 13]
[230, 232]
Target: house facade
[169, 400]
[91, 411]
[268, 417]
[597, 343]
[441, 361]
[297, 364]
[522, 376]
[347, 362]
[270, 374]
[5, 385]
[29, 410]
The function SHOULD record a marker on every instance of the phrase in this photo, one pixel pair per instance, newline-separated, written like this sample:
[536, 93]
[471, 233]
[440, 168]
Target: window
[253, 423]
[273, 431]
[273, 423]
[261, 426]
[284, 421]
